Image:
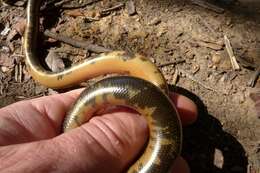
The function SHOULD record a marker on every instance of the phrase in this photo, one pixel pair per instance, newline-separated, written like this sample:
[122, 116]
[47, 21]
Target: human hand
[30, 137]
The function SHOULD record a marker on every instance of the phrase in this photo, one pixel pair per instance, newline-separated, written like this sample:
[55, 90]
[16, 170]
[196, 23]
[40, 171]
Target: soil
[186, 41]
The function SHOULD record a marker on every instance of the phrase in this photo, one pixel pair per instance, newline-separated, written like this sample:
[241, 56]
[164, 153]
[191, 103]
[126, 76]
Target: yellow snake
[144, 89]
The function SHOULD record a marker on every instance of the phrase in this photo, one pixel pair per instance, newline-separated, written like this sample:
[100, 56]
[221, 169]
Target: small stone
[218, 159]
[190, 55]
[210, 64]
[214, 67]
[4, 69]
[229, 22]
[39, 89]
[51, 91]
[216, 58]
[195, 68]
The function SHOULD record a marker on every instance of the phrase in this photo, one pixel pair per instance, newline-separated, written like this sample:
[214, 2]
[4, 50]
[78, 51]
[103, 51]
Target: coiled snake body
[144, 89]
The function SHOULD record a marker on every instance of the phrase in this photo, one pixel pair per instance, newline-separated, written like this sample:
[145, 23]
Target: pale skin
[30, 139]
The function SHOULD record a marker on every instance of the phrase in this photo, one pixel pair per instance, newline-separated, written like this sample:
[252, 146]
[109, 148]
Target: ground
[186, 41]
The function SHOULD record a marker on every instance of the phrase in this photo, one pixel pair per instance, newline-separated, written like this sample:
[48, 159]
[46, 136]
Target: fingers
[36, 119]
[41, 118]
[105, 144]
[113, 140]
[186, 107]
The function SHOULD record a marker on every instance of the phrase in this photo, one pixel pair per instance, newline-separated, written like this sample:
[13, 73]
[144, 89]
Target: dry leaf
[54, 62]
[20, 26]
[6, 60]
[74, 13]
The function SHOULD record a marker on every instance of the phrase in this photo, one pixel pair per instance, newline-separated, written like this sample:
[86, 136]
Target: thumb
[106, 143]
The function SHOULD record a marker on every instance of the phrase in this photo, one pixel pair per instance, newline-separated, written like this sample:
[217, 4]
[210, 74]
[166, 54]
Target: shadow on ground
[203, 138]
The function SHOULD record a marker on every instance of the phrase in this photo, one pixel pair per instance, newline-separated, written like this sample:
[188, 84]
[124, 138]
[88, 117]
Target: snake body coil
[164, 127]
[148, 98]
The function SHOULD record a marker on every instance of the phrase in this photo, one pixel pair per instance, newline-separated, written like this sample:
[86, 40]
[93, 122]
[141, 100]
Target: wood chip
[130, 6]
[175, 77]
[54, 62]
[77, 43]
[155, 21]
[74, 13]
[214, 46]
[20, 26]
[26, 75]
[18, 73]
[232, 57]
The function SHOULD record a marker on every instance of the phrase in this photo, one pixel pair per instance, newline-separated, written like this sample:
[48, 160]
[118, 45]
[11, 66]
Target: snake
[141, 86]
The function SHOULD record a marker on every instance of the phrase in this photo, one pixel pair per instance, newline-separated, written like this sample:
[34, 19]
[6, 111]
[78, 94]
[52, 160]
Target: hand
[30, 137]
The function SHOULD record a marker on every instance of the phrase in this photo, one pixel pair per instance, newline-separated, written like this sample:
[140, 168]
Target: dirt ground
[186, 40]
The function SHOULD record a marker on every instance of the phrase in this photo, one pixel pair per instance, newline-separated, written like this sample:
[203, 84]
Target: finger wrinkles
[10, 130]
[112, 141]
[86, 151]
[28, 158]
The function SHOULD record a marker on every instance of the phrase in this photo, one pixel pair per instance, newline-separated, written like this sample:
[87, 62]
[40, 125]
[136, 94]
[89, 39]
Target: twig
[81, 5]
[175, 77]
[20, 72]
[61, 3]
[172, 63]
[231, 54]
[16, 73]
[192, 78]
[108, 10]
[77, 43]
[211, 45]
[207, 5]
[1, 90]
